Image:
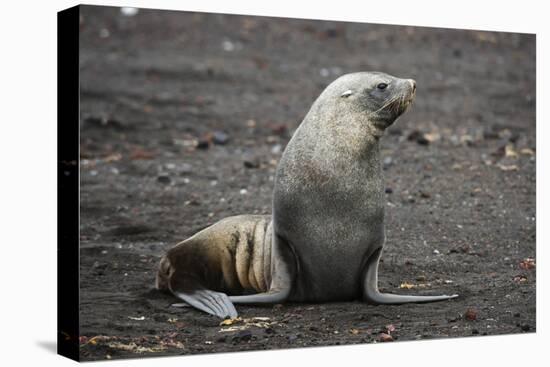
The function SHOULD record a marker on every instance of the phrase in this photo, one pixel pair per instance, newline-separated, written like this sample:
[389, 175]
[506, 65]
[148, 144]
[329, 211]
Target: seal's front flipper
[372, 295]
[214, 303]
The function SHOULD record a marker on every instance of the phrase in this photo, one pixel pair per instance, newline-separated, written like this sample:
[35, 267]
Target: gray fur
[328, 200]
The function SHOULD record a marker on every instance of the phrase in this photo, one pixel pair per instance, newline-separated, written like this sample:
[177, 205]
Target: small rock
[228, 46]
[528, 263]
[243, 335]
[251, 162]
[520, 278]
[506, 168]
[389, 190]
[220, 138]
[276, 149]
[185, 168]
[292, 338]
[279, 129]
[243, 192]
[203, 144]
[425, 195]
[418, 137]
[165, 179]
[383, 337]
[525, 327]
[471, 314]
[333, 32]
[436, 252]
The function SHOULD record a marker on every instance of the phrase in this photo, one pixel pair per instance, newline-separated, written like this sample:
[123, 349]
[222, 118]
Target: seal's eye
[382, 86]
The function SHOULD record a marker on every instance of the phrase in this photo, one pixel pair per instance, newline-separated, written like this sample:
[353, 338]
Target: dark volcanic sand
[461, 206]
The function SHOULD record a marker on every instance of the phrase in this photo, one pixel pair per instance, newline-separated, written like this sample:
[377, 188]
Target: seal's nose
[412, 82]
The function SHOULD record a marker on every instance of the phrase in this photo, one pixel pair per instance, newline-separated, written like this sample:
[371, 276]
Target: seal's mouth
[400, 104]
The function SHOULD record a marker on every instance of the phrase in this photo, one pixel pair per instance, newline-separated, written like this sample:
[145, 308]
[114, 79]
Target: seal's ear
[346, 94]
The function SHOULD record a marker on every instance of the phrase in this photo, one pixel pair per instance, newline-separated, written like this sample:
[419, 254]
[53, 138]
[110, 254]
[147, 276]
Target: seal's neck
[364, 135]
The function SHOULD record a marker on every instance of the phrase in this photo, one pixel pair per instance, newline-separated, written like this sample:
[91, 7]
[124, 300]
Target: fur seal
[327, 228]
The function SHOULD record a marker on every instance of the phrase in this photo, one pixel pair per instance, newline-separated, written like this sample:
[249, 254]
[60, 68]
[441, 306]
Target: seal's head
[379, 97]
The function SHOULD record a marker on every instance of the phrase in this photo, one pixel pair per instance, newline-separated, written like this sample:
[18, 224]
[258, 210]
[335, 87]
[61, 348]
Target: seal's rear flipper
[214, 303]
[372, 295]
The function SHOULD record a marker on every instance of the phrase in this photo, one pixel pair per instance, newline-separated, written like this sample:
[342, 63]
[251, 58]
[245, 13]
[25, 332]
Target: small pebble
[220, 138]
[276, 149]
[203, 144]
[165, 179]
[251, 162]
[228, 46]
[383, 337]
[471, 314]
[185, 168]
[243, 335]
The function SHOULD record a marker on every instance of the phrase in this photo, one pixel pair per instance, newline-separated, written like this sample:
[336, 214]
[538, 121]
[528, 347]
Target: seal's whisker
[385, 105]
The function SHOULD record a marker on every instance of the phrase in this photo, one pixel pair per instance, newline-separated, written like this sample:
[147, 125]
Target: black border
[68, 208]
